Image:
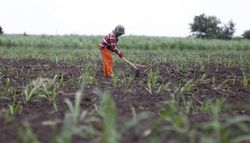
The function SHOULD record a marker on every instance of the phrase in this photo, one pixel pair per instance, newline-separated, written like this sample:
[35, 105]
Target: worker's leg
[107, 62]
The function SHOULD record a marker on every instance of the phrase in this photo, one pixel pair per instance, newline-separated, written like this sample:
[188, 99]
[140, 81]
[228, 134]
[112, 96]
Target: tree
[205, 26]
[246, 34]
[209, 27]
[227, 31]
[1, 30]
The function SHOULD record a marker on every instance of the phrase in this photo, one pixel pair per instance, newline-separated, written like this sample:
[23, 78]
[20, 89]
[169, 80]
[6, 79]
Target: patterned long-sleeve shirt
[110, 42]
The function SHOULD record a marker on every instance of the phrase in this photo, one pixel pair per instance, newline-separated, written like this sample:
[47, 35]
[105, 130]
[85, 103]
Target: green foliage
[27, 135]
[216, 130]
[89, 74]
[8, 87]
[245, 80]
[184, 56]
[151, 81]
[87, 47]
[246, 34]
[208, 27]
[15, 107]
[112, 131]
[108, 111]
[73, 119]
[6, 115]
[205, 26]
[1, 30]
[227, 31]
[43, 88]
[221, 131]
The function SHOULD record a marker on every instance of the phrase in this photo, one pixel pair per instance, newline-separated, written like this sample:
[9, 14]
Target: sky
[99, 17]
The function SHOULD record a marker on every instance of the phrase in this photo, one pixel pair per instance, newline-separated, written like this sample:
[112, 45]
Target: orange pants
[107, 62]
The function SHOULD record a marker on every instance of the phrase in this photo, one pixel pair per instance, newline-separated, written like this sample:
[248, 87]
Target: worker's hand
[120, 55]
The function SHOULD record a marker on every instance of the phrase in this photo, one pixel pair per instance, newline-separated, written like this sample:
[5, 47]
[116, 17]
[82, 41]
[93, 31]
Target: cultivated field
[188, 91]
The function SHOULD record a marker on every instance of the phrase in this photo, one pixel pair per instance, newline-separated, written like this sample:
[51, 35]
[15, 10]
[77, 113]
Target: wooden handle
[129, 63]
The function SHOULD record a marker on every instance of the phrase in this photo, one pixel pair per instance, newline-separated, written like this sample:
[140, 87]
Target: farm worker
[109, 45]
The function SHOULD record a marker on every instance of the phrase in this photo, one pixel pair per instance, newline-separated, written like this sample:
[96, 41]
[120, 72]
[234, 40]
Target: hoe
[137, 72]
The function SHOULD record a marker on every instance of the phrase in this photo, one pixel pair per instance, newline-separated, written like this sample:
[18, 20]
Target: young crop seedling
[163, 88]
[43, 88]
[89, 75]
[183, 99]
[108, 111]
[73, 119]
[112, 131]
[27, 135]
[151, 81]
[115, 81]
[8, 88]
[245, 80]
[127, 81]
[15, 107]
[221, 130]
[6, 115]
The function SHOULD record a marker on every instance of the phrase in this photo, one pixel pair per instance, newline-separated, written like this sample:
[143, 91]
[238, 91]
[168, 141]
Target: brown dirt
[22, 72]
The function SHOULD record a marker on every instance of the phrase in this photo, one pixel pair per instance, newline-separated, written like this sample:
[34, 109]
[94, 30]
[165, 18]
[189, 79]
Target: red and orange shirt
[110, 42]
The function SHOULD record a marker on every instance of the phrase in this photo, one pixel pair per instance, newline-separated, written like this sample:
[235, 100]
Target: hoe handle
[129, 63]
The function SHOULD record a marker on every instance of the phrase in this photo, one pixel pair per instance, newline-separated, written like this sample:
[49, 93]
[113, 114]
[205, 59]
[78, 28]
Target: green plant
[183, 67]
[8, 88]
[112, 131]
[88, 74]
[221, 130]
[26, 134]
[218, 129]
[73, 119]
[43, 88]
[179, 98]
[183, 99]
[115, 80]
[127, 81]
[7, 117]
[179, 122]
[15, 107]
[108, 111]
[30, 92]
[245, 80]
[74, 109]
[151, 81]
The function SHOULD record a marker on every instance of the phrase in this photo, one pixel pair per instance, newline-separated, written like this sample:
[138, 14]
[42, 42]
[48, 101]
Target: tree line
[209, 27]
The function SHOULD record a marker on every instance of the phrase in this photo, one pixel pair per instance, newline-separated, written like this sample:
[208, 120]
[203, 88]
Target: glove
[120, 55]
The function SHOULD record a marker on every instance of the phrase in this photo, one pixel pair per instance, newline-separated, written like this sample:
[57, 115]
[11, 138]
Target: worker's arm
[113, 46]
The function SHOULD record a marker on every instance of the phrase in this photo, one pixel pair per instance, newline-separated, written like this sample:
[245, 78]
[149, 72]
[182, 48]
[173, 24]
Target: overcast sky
[99, 17]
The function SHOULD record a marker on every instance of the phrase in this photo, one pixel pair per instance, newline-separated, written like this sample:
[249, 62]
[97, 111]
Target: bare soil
[22, 72]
